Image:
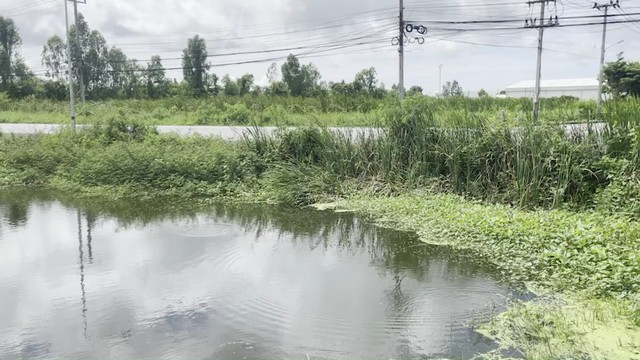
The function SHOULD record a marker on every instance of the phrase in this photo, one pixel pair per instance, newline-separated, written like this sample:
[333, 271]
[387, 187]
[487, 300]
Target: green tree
[117, 61]
[452, 89]
[342, 88]
[90, 56]
[415, 90]
[134, 80]
[273, 74]
[25, 83]
[301, 80]
[230, 86]
[278, 88]
[213, 84]
[245, 82]
[366, 81]
[623, 77]
[10, 41]
[155, 78]
[54, 58]
[483, 93]
[195, 65]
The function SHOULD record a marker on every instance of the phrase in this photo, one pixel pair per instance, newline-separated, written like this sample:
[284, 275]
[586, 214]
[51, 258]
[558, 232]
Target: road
[238, 132]
[224, 132]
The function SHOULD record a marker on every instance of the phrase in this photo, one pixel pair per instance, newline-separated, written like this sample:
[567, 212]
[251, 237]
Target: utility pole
[602, 50]
[81, 61]
[72, 104]
[540, 24]
[401, 52]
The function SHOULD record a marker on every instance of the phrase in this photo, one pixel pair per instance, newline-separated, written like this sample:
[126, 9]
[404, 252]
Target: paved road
[237, 132]
[225, 132]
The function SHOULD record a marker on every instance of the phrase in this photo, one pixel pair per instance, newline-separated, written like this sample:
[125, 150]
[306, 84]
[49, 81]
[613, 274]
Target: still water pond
[229, 282]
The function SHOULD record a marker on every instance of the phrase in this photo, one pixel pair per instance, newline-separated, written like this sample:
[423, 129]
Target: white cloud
[146, 27]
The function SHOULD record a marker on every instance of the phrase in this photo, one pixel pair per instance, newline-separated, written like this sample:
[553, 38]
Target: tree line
[107, 72]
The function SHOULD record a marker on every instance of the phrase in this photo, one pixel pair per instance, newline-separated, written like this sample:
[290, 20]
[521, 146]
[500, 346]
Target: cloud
[479, 59]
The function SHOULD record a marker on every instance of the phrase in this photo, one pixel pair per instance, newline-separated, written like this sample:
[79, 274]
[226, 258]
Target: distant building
[584, 89]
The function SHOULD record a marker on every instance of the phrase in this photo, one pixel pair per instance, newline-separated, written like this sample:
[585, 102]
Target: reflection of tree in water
[16, 213]
[389, 250]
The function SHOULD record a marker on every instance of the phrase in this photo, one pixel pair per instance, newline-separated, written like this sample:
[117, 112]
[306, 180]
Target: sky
[342, 37]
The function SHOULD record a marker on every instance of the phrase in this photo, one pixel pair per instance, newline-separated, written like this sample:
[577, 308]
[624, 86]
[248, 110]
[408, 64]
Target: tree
[273, 74]
[230, 86]
[195, 65]
[342, 88]
[278, 88]
[366, 81]
[623, 77]
[301, 80]
[25, 83]
[9, 43]
[452, 89]
[483, 93]
[117, 61]
[245, 83]
[213, 84]
[155, 78]
[415, 90]
[54, 58]
[95, 66]
[90, 56]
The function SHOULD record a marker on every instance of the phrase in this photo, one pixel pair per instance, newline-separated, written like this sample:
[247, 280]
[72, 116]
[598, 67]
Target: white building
[584, 89]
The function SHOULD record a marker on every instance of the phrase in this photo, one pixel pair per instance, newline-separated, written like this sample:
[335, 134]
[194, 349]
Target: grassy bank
[552, 210]
[329, 110]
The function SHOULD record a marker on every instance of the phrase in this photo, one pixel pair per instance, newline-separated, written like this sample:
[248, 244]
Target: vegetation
[536, 177]
[623, 77]
[457, 151]
[590, 254]
[551, 207]
[264, 110]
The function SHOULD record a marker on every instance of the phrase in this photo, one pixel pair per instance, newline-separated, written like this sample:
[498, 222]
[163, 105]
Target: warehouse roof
[560, 83]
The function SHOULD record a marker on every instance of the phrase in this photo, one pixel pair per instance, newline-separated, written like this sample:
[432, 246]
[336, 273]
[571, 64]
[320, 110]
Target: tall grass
[526, 166]
[330, 110]
[462, 151]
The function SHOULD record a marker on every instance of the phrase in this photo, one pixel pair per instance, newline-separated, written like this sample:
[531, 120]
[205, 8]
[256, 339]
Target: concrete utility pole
[72, 101]
[401, 52]
[81, 61]
[540, 25]
[602, 50]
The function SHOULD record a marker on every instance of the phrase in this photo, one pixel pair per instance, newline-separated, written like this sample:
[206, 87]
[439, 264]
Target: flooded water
[131, 281]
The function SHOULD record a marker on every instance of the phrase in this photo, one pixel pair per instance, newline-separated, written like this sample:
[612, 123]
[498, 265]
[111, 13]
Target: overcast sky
[344, 36]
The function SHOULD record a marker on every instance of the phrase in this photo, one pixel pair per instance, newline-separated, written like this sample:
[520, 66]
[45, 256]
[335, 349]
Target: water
[229, 282]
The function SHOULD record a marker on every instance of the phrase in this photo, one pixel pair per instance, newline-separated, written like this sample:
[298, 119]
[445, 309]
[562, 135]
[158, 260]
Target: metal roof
[560, 83]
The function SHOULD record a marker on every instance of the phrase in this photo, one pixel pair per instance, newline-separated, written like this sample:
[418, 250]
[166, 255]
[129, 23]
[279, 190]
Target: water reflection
[226, 281]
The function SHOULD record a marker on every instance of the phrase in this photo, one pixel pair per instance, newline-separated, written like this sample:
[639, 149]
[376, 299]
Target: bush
[237, 114]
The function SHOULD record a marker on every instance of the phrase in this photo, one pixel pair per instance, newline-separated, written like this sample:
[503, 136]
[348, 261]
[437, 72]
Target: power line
[508, 20]
[263, 60]
[266, 51]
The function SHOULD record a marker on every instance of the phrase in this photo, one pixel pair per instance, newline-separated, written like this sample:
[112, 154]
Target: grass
[328, 110]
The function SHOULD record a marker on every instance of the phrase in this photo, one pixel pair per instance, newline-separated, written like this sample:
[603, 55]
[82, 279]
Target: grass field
[287, 111]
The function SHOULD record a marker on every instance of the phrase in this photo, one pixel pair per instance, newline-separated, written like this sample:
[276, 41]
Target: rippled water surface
[230, 282]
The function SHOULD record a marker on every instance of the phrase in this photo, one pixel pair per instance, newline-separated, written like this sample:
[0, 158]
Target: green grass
[329, 110]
